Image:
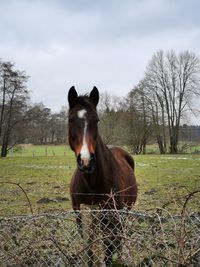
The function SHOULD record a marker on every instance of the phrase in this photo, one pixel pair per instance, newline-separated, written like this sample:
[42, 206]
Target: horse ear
[94, 95]
[72, 96]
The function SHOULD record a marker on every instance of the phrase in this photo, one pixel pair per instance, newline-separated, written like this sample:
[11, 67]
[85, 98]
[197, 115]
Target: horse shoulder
[74, 190]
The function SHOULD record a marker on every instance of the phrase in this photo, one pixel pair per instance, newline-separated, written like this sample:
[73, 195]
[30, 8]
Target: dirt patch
[46, 200]
[151, 191]
[61, 199]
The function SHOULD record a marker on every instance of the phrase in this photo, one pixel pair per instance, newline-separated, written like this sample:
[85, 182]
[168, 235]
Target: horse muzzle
[86, 165]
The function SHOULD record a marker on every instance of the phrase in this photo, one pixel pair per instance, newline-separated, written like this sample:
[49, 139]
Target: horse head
[83, 127]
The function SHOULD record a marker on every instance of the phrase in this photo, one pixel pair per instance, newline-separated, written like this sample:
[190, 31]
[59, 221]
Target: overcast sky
[106, 43]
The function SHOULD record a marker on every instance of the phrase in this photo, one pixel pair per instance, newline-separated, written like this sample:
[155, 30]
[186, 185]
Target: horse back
[120, 154]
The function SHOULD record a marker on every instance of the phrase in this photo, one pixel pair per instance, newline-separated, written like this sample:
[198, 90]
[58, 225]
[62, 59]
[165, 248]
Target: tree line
[20, 120]
[153, 111]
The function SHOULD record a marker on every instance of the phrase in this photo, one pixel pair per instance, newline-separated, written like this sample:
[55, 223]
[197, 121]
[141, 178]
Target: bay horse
[104, 176]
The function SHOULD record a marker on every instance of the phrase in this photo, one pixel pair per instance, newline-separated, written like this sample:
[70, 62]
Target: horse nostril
[86, 165]
[92, 161]
[92, 158]
[79, 161]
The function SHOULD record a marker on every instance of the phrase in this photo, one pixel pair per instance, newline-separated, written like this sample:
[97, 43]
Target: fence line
[146, 239]
[138, 238]
[45, 151]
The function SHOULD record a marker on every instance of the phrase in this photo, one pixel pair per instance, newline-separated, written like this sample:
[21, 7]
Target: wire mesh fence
[133, 238]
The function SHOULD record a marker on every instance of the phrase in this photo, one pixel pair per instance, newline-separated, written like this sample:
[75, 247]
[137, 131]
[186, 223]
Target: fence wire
[137, 238]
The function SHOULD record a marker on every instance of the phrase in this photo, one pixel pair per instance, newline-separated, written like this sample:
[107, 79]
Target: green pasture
[186, 148]
[39, 150]
[163, 181]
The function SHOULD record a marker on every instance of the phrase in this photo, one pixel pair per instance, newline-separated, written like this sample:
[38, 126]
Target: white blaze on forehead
[81, 114]
[85, 154]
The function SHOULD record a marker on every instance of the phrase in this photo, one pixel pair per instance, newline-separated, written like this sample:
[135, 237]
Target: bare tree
[39, 123]
[155, 108]
[13, 101]
[58, 127]
[140, 120]
[110, 113]
[174, 80]
[4, 78]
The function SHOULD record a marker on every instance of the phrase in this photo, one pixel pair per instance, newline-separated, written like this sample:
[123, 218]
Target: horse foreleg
[76, 208]
[79, 222]
[112, 226]
[109, 251]
[112, 244]
[87, 235]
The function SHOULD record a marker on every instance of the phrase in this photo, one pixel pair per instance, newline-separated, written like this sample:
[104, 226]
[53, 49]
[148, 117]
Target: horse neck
[103, 155]
[105, 166]
[105, 176]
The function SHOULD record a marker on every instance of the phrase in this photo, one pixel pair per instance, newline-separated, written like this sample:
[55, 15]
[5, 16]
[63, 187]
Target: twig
[22, 189]
[187, 199]
[193, 254]
[146, 260]
[57, 245]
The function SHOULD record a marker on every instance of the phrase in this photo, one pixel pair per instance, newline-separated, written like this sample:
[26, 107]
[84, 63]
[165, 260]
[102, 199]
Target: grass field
[45, 176]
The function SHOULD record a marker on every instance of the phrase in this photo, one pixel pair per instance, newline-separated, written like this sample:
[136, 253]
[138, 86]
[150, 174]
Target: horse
[104, 176]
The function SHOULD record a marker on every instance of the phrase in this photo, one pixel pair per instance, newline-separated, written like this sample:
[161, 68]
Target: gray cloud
[106, 43]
